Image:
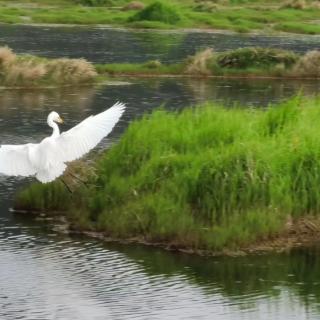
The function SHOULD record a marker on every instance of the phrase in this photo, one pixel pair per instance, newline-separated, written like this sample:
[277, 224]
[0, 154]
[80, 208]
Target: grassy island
[243, 62]
[206, 178]
[295, 16]
[30, 71]
[27, 71]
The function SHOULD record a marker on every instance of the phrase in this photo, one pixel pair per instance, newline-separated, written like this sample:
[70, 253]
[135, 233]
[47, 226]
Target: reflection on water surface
[45, 275]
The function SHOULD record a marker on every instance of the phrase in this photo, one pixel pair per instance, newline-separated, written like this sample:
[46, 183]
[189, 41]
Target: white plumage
[47, 159]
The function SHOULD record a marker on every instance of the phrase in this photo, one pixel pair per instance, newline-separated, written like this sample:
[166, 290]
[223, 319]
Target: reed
[200, 62]
[308, 65]
[31, 71]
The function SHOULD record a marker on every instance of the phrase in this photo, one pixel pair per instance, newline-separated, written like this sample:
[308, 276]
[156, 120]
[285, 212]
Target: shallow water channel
[105, 45]
[48, 275]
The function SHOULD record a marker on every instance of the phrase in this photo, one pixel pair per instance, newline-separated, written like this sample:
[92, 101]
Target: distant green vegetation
[205, 178]
[158, 11]
[31, 71]
[254, 62]
[295, 16]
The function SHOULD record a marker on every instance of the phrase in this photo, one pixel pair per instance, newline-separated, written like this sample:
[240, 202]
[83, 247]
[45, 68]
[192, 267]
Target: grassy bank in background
[252, 62]
[295, 16]
[31, 71]
[205, 178]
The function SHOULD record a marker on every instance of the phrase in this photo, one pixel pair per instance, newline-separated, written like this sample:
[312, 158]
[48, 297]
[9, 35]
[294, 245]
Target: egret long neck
[55, 127]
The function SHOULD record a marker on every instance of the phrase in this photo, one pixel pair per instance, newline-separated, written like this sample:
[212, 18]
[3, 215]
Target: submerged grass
[204, 178]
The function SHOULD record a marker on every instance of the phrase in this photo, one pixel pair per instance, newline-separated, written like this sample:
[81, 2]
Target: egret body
[48, 159]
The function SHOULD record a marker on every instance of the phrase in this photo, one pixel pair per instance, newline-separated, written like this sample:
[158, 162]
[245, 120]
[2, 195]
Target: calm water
[47, 275]
[109, 45]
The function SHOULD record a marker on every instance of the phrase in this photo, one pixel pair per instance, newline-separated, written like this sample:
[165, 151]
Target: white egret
[47, 159]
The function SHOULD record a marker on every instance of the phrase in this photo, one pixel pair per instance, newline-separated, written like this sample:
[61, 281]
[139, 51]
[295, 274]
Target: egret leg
[77, 178]
[65, 184]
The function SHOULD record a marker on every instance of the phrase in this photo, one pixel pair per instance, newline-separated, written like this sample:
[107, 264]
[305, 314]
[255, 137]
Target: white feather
[47, 160]
[14, 160]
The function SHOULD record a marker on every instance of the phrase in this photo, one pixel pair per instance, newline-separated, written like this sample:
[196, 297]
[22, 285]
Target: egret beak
[59, 120]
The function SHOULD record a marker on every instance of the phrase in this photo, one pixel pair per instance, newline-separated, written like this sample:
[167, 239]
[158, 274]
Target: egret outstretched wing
[79, 140]
[47, 160]
[15, 161]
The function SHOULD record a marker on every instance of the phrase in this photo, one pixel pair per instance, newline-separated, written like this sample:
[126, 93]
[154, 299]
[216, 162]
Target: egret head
[54, 117]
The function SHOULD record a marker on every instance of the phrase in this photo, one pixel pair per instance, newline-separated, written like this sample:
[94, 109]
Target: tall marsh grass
[308, 65]
[29, 71]
[200, 62]
[203, 178]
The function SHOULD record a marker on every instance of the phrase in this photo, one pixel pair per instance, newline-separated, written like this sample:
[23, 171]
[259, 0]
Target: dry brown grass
[134, 5]
[71, 70]
[207, 6]
[199, 63]
[301, 4]
[295, 4]
[31, 71]
[23, 72]
[308, 65]
[315, 5]
[6, 56]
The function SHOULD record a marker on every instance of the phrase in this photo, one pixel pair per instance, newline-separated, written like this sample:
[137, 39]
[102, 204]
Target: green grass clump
[256, 57]
[157, 11]
[207, 177]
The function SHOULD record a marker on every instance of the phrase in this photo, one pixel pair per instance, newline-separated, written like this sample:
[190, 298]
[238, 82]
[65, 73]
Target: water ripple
[45, 275]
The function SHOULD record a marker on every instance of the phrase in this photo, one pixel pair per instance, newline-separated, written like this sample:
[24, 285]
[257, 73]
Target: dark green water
[48, 276]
